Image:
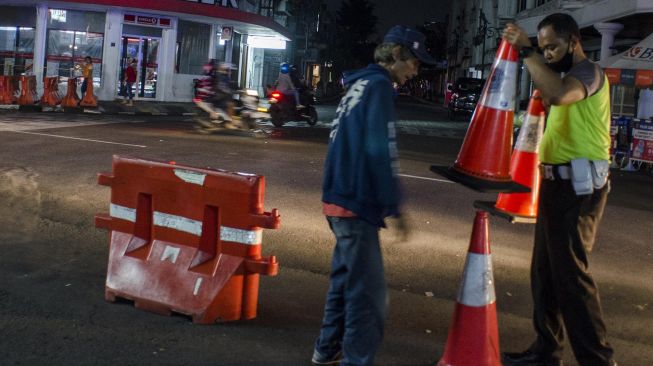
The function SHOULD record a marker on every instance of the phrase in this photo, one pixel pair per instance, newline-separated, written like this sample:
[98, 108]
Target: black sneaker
[529, 358]
[319, 359]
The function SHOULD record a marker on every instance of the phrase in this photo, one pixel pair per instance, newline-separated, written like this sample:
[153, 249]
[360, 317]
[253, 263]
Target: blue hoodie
[360, 172]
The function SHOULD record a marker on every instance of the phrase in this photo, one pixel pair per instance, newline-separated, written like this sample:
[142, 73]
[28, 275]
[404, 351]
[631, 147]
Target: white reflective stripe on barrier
[121, 212]
[190, 176]
[503, 86]
[477, 286]
[530, 134]
[250, 237]
[198, 283]
[178, 223]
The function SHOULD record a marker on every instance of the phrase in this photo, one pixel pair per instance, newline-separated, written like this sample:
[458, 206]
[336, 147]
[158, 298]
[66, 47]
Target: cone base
[477, 184]
[490, 208]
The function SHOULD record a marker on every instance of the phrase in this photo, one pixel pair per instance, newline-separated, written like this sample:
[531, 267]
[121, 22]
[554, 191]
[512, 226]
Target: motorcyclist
[285, 84]
[223, 90]
[204, 86]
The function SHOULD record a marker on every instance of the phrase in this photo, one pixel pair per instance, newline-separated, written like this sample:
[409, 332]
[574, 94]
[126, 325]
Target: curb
[37, 108]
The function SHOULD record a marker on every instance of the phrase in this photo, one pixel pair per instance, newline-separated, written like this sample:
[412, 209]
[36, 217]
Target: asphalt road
[53, 262]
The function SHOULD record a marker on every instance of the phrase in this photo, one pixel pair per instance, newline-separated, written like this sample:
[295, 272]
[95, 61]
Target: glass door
[145, 51]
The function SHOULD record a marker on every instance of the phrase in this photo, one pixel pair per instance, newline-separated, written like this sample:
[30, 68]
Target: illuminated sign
[58, 15]
[225, 3]
[147, 20]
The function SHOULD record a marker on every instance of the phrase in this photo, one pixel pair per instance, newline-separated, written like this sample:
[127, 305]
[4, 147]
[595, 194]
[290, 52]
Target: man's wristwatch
[526, 52]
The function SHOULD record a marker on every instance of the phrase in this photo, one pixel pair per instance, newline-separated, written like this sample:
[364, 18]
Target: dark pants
[355, 310]
[84, 86]
[563, 288]
[128, 91]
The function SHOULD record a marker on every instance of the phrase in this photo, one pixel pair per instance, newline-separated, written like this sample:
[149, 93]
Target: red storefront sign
[147, 20]
[629, 77]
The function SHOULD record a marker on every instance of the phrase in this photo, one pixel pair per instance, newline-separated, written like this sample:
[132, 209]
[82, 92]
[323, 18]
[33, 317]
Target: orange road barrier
[88, 99]
[186, 240]
[71, 99]
[7, 90]
[524, 168]
[28, 95]
[484, 158]
[473, 338]
[51, 95]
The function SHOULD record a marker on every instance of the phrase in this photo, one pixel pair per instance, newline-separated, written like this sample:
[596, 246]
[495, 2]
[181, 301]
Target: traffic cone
[524, 168]
[484, 158]
[474, 333]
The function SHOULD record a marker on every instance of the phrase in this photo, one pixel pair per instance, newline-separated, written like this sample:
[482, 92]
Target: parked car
[465, 94]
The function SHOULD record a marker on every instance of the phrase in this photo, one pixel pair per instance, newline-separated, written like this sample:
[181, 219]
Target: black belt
[555, 171]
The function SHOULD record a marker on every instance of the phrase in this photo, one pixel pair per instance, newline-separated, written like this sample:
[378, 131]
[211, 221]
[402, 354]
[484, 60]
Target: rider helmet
[284, 68]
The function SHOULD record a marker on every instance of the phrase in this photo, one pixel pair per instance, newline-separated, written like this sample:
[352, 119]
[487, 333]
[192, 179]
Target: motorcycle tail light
[276, 95]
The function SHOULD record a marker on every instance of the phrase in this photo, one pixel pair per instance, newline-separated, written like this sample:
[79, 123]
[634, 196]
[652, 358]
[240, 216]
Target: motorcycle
[246, 114]
[283, 108]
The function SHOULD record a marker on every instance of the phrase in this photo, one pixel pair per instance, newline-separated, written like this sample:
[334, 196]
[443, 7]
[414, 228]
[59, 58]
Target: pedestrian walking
[128, 83]
[360, 190]
[574, 156]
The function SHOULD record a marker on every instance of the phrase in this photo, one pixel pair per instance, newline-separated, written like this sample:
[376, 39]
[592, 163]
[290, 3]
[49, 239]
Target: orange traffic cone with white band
[474, 333]
[524, 168]
[484, 159]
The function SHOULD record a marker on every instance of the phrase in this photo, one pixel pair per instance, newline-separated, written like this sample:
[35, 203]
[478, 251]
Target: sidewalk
[140, 108]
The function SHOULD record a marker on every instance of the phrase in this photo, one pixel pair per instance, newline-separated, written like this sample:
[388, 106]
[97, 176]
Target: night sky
[407, 12]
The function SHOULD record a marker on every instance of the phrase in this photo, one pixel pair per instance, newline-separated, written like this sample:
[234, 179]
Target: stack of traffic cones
[474, 333]
[484, 164]
[484, 158]
[522, 207]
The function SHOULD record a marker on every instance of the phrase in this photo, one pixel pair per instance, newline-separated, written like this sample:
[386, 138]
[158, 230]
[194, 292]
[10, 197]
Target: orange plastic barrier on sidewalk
[71, 99]
[473, 338]
[51, 94]
[524, 168]
[484, 158]
[28, 95]
[7, 90]
[185, 239]
[88, 99]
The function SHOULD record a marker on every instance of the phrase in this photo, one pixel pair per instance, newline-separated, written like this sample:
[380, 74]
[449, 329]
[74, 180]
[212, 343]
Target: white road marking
[425, 178]
[75, 138]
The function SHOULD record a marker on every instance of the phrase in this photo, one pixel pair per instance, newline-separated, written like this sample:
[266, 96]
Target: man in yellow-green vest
[574, 156]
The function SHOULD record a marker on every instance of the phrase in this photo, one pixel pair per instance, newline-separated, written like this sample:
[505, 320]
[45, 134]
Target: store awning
[633, 67]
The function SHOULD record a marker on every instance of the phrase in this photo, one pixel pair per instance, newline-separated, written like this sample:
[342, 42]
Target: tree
[356, 23]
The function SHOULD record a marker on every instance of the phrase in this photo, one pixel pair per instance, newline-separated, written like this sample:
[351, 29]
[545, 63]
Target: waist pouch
[587, 175]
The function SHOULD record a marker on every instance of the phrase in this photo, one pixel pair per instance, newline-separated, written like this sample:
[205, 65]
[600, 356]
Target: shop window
[67, 49]
[192, 47]
[16, 39]
[623, 100]
[71, 36]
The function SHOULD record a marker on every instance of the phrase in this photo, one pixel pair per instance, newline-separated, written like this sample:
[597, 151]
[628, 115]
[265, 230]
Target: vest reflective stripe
[477, 287]
[578, 130]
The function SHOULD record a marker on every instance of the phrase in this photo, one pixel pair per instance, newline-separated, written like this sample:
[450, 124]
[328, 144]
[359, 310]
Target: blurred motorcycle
[246, 114]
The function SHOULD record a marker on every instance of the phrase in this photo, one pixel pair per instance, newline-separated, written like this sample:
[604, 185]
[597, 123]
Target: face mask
[564, 65]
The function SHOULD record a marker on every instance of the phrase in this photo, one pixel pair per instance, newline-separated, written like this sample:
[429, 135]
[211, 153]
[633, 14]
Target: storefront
[170, 41]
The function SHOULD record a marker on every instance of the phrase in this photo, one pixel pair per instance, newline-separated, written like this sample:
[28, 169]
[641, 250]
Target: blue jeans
[128, 92]
[356, 304]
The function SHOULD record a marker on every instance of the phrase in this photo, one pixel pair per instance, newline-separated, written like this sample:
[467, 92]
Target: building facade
[170, 39]
[607, 27]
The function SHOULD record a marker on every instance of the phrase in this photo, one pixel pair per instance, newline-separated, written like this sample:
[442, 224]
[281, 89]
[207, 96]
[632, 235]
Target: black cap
[411, 39]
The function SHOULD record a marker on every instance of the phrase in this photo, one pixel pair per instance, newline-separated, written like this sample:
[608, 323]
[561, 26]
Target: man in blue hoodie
[360, 190]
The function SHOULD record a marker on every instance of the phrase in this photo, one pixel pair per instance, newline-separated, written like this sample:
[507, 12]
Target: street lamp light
[484, 31]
